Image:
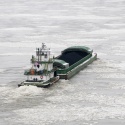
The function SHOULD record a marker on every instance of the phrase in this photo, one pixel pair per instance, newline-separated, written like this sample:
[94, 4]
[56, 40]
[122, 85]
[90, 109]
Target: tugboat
[41, 73]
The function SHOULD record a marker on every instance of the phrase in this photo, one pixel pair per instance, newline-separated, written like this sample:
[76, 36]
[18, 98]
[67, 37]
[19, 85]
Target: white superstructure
[42, 65]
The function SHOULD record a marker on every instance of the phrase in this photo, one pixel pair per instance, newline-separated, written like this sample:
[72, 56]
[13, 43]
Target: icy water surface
[96, 95]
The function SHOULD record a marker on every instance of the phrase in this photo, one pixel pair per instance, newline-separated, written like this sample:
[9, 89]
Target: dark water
[95, 96]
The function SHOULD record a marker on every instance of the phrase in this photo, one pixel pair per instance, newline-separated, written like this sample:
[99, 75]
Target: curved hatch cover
[73, 54]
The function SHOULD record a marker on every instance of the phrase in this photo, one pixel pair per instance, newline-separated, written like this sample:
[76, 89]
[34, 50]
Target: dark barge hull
[77, 69]
[77, 57]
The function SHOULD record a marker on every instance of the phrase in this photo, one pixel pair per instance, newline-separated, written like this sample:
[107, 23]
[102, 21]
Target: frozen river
[96, 95]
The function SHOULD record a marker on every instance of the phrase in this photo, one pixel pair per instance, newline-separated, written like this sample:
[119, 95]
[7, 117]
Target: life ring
[41, 77]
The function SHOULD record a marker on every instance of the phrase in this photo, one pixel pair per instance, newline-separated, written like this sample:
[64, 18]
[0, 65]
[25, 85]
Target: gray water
[96, 95]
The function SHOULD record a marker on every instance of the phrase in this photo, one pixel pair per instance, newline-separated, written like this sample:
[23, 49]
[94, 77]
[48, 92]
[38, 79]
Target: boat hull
[40, 84]
[76, 69]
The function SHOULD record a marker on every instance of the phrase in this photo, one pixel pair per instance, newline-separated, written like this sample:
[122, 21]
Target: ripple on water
[10, 94]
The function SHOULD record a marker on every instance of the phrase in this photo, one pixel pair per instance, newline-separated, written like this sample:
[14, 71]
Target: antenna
[38, 54]
[43, 46]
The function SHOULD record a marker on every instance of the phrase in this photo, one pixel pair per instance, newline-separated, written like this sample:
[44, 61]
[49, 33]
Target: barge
[72, 60]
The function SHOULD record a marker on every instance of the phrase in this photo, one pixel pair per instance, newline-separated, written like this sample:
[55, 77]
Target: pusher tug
[41, 74]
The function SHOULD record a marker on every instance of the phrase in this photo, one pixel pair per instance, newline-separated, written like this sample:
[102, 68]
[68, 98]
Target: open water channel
[96, 95]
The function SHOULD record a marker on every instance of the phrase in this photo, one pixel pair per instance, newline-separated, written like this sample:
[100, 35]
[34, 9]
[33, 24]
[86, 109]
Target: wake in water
[10, 94]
